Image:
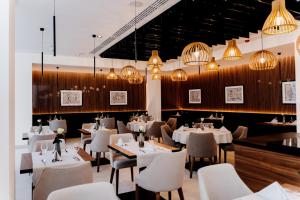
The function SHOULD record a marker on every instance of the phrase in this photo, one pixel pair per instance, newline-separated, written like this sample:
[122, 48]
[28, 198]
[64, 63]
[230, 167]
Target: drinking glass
[44, 148]
[186, 125]
[202, 119]
[193, 124]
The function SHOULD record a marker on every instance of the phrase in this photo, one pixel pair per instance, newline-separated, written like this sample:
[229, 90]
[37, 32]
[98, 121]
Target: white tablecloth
[146, 154]
[45, 131]
[70, 157]
[135, 125]
[182, 135]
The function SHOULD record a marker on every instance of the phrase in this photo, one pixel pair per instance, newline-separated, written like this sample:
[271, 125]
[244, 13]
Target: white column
[153, 100]
[7, 114]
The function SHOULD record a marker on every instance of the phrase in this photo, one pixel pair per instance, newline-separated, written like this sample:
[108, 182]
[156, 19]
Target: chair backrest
[161, 175]
[87, 125]
[154, 130]
[122, 128]
[58, 123]
[50, 146]
[221, 182]
[172, 122]
[33, 140]
[166, 133]
[108, 123]
[100, 140]
[91, 190]
[201, 145]
[240, 133]
[126, 137]
[54, 178]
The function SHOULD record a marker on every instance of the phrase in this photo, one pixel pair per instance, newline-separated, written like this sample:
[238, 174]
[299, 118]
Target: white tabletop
[182, 135]
[135, 125]
[146, 154]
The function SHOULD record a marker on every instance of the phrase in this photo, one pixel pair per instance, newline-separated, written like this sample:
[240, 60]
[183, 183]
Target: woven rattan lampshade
[112, 74]
[232, 52]
[156, 76]
[154, 70]
[127, 71]
[212, 65]
[263, 60]
[179, 75]
[279, 20]
[155, 60]
[196, 54]
[298, 44]
[136, 79]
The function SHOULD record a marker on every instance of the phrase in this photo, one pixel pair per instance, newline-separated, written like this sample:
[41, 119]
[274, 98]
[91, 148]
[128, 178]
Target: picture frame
[234, 94]
[71, 97]
[118, 97]
[195, 96]
[289, 92]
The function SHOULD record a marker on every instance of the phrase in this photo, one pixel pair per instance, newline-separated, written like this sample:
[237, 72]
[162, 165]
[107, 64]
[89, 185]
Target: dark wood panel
[46, 98]
[259, 168]
[262, 89]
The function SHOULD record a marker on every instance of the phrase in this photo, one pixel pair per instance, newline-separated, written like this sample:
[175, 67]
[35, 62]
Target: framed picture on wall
[289, 92]
[234, 94]
[118, 97]
[195, 96]
[71, 97]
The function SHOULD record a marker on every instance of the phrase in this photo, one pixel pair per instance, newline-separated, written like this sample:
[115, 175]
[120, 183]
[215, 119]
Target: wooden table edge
[122, 151]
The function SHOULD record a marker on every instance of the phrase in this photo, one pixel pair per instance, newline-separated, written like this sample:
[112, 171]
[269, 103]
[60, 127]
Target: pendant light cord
[135, 41]
[42, 40]
[261, 40]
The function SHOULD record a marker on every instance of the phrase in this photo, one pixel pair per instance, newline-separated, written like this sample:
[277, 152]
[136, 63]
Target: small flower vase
[57, 152]
[40, 128]
[141, 140]
[97, 125]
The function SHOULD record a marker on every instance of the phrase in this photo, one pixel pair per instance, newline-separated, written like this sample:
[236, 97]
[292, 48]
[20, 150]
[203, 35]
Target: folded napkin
[275, 120]
[271, 192]
[223, 129]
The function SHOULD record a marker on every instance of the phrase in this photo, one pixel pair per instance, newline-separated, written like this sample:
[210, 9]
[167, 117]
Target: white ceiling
[76, 21]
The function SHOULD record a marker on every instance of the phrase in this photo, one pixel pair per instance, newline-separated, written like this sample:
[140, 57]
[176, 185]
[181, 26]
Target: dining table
[136, 125]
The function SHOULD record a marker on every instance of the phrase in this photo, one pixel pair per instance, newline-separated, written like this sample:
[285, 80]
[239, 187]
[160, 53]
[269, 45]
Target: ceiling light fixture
[263, 59]
[94, 51]
[280, 20]
[42, 52]
[179, 74]
[136, 79]
[196, 54]
[232, 52]
[213, 65]
[112, 75]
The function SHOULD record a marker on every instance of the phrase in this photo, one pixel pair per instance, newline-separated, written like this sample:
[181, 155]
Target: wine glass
[44, 148]
[193, 124]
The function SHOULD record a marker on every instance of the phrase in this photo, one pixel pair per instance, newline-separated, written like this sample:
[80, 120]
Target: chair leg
[137, 192]
[180, 192]
[98, 160]
[225, 156]
[131, 170]
[117, 181]
[169, 195]
[84, 146]
[157, 196]
[112, 174]
[192, 160]
[220, 154]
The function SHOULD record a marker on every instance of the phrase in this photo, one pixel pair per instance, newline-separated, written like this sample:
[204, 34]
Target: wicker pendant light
[196, 54]
[263, 60]
[127, 71]
[232, 52]
[155, 60]
[212, 65]
[156, 76]
[112, 75]
[155, 70]
[179, 74]
[155, 73]
[279, 20]
[136, 79]
[298, 44]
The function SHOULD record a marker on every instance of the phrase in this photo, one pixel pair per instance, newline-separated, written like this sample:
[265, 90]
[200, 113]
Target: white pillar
[153, 100]
[7, 114]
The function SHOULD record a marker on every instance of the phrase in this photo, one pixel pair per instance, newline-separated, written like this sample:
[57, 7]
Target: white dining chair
[35, 138]
[221, 182]
[99, 144]
[90, 191]
[86, 139]
[164, 174]
[118, 161]
[58, 177]
[58, 123]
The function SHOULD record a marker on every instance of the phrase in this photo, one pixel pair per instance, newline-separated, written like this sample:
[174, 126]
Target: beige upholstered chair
[167, 133]
[240, 133]
[109, 123]
[54, 178]
[154, 130]
[100, 143]
[58, 123]
[201, 145]
[118, 161]
[35, 138]
[86, 139]
[164, 174]
[122, 128]
[50, 146]
[90, 191]
[172, 122]
[221, 182]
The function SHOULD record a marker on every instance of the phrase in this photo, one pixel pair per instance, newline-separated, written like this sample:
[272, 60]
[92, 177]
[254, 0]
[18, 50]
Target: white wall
[7, 153]
[153, 97]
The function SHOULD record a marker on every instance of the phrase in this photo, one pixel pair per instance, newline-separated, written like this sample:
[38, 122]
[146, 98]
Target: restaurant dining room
[150, 100]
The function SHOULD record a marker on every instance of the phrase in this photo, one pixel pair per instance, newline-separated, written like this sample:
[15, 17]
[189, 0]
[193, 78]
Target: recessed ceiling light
[98, 36]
